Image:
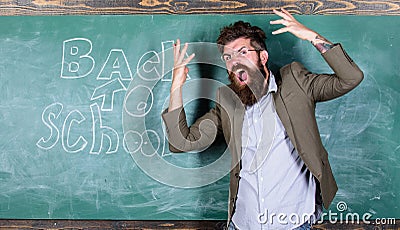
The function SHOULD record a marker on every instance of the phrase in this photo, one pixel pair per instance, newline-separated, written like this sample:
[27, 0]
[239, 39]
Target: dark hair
[242, 29]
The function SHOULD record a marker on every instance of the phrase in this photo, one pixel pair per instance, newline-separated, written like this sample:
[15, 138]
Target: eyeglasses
[241, 52]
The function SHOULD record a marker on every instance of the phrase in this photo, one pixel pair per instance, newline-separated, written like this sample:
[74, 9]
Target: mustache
[257, 71]
[240, 66]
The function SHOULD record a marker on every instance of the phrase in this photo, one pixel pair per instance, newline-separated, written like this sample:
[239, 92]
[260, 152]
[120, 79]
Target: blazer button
[237, 175]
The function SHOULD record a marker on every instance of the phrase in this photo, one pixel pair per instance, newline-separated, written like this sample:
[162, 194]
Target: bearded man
[279, 166]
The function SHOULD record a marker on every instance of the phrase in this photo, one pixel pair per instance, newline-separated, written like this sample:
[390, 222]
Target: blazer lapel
[284, 115]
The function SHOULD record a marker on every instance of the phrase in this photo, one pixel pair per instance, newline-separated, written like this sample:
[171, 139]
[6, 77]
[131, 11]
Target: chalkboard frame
[85, 7]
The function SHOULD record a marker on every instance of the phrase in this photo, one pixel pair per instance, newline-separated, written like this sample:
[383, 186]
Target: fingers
[281, 30]
[182, 54]
[187, 60]
[286, 20]
[284, 14]
[179, 55]
[292, 26]
[287, 13]
[177, 46]
[279, 21]
[181, 59]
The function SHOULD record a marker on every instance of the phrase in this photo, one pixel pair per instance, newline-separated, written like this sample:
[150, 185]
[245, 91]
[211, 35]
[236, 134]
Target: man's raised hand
[300, 31]
[292, 26]
[180, 70]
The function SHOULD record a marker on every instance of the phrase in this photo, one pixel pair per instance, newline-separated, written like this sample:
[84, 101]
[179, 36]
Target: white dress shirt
[276, 190]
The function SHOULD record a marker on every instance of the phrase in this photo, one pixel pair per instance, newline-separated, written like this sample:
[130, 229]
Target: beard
[251, 92]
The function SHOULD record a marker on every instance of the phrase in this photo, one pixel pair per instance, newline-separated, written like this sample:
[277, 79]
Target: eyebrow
[241, 48]
[237, 50]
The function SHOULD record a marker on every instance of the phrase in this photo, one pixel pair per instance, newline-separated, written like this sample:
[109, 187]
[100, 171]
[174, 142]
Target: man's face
[240, 52]
[246, 70]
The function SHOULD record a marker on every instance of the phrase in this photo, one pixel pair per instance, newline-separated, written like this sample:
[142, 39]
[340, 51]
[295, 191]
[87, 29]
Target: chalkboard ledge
[163, 224]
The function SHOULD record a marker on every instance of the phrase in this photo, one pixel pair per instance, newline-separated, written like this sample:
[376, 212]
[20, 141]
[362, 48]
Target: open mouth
[241, 75]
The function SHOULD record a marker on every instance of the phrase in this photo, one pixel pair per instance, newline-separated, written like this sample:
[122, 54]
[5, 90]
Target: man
[280, 170]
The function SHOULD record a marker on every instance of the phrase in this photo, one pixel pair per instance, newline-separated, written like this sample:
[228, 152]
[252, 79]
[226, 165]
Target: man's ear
[264, 57]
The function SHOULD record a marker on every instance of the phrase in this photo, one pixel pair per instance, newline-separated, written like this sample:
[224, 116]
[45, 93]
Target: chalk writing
[138, 108]
[107, 92]
[132, 141]
[148, 70]
[76, 61]
[104, 131]
[51, 112]
[115, 73]
[115, 65]
[74, 116]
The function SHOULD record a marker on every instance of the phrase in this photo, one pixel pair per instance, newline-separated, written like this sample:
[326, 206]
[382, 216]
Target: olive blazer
[298, 92]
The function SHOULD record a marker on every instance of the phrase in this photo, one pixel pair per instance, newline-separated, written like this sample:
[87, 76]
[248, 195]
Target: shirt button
[262, 200]
[262, 178]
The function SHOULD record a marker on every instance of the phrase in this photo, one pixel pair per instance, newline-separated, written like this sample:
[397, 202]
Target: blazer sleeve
[198, 136]
[322, 87]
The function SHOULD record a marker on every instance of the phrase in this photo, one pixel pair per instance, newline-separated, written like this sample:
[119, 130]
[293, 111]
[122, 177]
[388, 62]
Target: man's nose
[234, 61]
[231, 64]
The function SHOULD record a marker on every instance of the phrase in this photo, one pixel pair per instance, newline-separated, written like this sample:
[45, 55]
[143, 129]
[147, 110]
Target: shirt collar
[272, 87]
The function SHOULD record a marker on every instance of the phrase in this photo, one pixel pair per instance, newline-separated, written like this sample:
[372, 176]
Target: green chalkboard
[81, 133]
